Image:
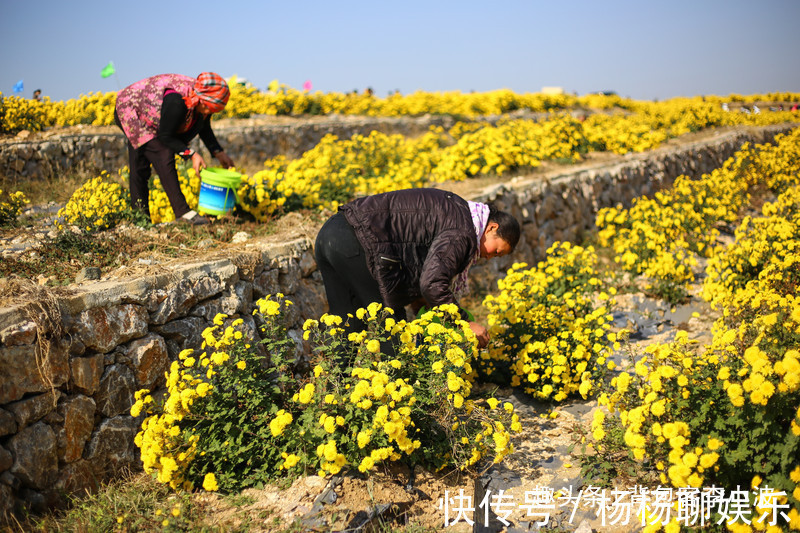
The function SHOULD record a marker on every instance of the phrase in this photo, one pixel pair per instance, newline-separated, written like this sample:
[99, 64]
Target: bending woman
[399, 247]
[160, 115]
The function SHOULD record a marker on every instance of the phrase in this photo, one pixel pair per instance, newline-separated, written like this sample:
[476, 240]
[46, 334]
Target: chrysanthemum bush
[725, 415]
[728, 413]
[685, 114]
[189, 181]
[661, 237]
[759, 242]
[240, 414]
[11, 205]
[550, 325]
[511, 146]
[102, 202]
[17, 114]
[99, 204]
[337, 170]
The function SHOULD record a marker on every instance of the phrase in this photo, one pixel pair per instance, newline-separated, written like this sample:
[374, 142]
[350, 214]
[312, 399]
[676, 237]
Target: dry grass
[56, 188]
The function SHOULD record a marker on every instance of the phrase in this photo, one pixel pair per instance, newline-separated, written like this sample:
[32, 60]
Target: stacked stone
[65, 422]
[245, 144]
[248, 145]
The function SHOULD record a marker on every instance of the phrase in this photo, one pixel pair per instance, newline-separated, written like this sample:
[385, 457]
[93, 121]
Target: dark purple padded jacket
[416, 241]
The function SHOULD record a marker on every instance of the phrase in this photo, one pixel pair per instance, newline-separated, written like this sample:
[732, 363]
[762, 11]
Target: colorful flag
[307, 85]
[273, 86]
[108, 70]
[18, 87]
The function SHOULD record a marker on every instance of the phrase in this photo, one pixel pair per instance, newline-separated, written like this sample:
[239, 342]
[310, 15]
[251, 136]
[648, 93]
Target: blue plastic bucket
[217, 191]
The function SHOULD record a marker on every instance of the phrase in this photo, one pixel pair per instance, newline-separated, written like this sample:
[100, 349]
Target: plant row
[97, 109]
[337, 170]
[243, 412]
[724, 414]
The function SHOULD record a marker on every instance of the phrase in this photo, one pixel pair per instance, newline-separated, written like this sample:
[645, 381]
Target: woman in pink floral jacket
[160, 115]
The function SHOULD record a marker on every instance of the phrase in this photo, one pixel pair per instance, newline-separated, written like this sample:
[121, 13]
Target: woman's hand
[198, 163]
[223, 159]
[481, 333]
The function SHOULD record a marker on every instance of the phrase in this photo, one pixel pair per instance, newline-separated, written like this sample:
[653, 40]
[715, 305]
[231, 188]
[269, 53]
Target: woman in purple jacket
[159, 116]
[414, 245]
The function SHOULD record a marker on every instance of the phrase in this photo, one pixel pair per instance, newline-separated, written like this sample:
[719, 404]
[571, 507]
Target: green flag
[108, 70]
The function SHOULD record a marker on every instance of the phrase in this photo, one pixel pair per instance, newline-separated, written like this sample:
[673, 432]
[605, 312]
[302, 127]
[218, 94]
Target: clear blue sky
[642, 49]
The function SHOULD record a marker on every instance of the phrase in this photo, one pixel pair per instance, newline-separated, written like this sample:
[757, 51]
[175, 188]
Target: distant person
[159, 116]
[725, 107]
[37, 95]
[368, 91]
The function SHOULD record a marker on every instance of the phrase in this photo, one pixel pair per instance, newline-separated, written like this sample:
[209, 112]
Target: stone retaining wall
[247, 145]
[69, 366]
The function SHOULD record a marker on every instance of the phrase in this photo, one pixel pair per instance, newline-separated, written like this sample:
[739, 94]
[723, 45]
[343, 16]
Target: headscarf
[211, 89]
[480, 217]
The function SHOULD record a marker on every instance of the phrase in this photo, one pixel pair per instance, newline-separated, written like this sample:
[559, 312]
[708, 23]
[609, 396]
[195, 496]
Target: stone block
[22, 374]
[78, 425]
[10, 480]
[88, 274]
[76, 347]
[207, 287]
[53, 418]
[182, 334]
[182, 329]
[179, 299]
[308, 263]
[149, 359]
[32, 409]
[35, 460]
[6, 503]
[546, 210]
[115, 393]
[290, 277]
[111, 446]
[33, 501]
[77, 478]
[8, 424]
[103, 328]
[6, 459]
[19, 334]
[243, 290]
[86, 372]
[309, 301]
[228, 304]
[266, 283]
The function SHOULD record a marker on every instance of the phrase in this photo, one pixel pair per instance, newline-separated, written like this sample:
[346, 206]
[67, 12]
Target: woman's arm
[173, 117]
[448, 255]
[208, 137]
[445, 258]
[210, 140]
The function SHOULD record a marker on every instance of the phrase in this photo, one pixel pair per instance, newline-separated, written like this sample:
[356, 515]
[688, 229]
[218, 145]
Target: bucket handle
[235, 198]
